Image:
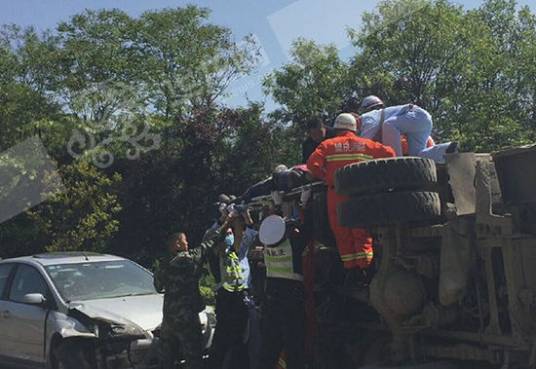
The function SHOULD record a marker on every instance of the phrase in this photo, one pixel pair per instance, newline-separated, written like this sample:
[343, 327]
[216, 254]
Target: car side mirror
[34, 299]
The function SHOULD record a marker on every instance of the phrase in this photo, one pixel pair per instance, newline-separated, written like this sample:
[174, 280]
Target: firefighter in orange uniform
[355, 245]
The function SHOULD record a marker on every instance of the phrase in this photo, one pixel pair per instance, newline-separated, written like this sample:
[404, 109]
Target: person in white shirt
[388, 124]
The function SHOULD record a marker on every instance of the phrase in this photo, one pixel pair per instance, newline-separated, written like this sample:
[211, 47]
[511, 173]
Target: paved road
[437, 365]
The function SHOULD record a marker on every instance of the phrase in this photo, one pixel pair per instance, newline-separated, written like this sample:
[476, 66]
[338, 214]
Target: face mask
[229, 240]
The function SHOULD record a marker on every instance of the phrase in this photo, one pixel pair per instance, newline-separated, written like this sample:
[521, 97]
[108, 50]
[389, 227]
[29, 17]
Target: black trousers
[229, 348]
[283, 324]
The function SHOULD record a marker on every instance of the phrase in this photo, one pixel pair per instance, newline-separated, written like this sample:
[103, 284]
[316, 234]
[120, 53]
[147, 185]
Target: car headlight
[117, 329]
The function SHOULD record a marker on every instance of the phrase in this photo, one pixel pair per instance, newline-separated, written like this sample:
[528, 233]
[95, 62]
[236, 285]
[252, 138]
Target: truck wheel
[389, 208]
[75, 354]
[410, 173]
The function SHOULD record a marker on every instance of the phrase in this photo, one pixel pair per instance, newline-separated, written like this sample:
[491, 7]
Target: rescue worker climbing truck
[354, 244]
[453, 275]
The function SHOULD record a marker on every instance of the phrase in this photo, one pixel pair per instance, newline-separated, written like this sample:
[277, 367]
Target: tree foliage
[81, 87]
[313, 84]
[470, 68]
[98, 75]
[82, 217]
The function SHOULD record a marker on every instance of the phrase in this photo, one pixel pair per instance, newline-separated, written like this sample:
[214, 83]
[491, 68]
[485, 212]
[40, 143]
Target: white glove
[305, 196]
[223, 209]
[233, 213]
[277, 197]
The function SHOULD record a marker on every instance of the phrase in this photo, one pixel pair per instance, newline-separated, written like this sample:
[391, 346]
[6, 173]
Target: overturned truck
[454, 275]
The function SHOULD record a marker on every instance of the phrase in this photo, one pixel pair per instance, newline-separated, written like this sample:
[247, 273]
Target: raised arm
[317, 161]
[199, 254]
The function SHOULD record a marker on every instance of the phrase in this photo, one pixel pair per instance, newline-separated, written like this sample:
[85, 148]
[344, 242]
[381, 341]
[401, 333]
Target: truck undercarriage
[459, 285]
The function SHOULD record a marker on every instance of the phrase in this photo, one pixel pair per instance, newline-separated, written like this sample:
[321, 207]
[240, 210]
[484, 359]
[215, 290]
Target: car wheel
[373, 176]
[75, 354]
[389, 208]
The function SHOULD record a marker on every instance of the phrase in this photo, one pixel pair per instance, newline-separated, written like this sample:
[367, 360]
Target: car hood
[143, 311]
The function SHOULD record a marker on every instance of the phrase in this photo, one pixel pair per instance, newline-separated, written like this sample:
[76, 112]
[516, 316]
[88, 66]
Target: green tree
[100, 73]
[83, 216]
[188, 63]
[408, 49]
[174, 59]
[457, 64]
[314, 83]
[173, 189]
[470, 68]
[22, 96]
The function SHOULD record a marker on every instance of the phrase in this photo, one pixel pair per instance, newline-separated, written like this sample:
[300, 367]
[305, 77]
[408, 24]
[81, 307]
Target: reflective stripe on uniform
[282, 258]
[280, 263]
[282, 272]
[231, 273]
[368, 255]
[348, 157]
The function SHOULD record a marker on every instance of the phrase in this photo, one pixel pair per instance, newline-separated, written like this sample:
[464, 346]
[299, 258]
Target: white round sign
[272, 230]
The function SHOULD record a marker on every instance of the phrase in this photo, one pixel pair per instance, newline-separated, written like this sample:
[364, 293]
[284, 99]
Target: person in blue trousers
[388, 124]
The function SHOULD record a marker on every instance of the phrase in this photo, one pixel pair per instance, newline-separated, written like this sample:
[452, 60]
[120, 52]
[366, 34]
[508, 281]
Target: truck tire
[389, 208]
[409, 173]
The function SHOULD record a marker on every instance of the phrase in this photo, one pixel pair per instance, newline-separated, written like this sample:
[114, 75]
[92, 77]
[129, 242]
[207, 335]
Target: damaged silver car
[83, 310]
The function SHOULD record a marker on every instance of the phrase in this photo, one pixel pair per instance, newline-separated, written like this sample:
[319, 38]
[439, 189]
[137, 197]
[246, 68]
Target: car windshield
[101, 280]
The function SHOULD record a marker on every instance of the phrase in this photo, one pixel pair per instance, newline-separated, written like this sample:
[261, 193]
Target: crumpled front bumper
[146, 353]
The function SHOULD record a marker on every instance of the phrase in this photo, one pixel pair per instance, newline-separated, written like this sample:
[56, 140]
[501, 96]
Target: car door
[24, 323]
[5, 272]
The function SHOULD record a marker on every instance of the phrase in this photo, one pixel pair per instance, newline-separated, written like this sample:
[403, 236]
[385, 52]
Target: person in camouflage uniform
[178, 277]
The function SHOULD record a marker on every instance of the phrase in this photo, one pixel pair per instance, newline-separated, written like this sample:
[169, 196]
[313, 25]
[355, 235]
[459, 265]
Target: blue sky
[274, 23]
